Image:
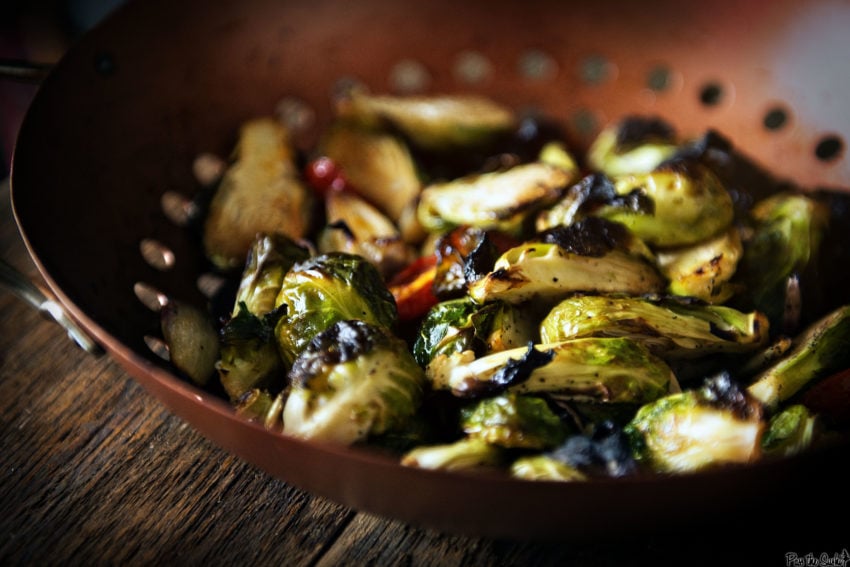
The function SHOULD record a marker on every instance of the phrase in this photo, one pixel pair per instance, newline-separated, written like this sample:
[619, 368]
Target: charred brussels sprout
[500, 200]
[514, 421]
[787, 235]
[689, 204]
[270, 257]
[604, 451]
[636, 144]
[328, 288]
[610, 370]
[356, 227]
[192, 340]
[823, 348]
[433, 122]
[591, 261]
[704, 270]
[461, 324]
[668, 328]
[376, 163]
[352, 381]
[466, 453]
[688, 431]
[261, 192]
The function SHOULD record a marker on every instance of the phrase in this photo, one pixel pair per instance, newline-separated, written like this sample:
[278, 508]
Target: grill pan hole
[209, 284]
[156, 254]
[775, 119]
[537, 66]
[295, 114]
[472, 68]
[150, 297]
[659, 79]
[177, 208]
[158, 347]
[829, 148]
[409, 76]
[208, 169]
[596, 70]
[711, 94]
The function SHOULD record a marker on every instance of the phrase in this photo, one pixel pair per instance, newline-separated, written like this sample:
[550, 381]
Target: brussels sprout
[269, 258]
[610, 370]
[261, 192]
[353, 380]
[668, 328]
[356, 227]
[692, 430]
[465, 254]
[822, 348]
[545, 467]
[788, 231]
[192, 340]
[550, 272]
[690, 204]
[556, 153]
[634, 145]
[461, 324]
[467, 453]
[249, 357]
[433, 122]
[500, 200]
[789, 432]
[376, 163]
[513, 420]
[325, 289]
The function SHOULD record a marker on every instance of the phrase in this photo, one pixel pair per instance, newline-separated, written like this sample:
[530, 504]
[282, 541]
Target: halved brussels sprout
[822, 348]
[461, 324]
[689, 204]
[788, 231]
[261, 192]
[352, 381]
[433, 122]
[513, 420]
[192, 340]
[465, 454]
[549, 272]
[790, 431]
[610, 370]
[692, 430]
[356, 227]
[635, 144]
[500, 200]
[669, 328]
[323, 290]
[376, 163]
[704, 270]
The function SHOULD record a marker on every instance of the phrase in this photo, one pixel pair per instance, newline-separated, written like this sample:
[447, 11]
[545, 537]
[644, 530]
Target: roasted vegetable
[352, 380]
[461, 324]
[356, 227]
[703, 270]
[548, 272]
[377, 164]
[192, 340]
[261, 192]
[603, 451]
[433, 122]
[669, 328]
[634, 145]
[787, 235]
[514, 421]
[715, 424]
[466, 453]
[790, 431]
[610, 370]
[689, 204]
[325, 289]
[544, 467]
[823, 348]
[500, 200]
[464, 255]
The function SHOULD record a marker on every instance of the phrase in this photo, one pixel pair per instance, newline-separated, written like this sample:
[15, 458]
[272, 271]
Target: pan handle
[23, 71]
[30, 293]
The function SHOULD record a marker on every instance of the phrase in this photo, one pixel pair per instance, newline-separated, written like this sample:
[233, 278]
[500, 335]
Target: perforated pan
[109, 143]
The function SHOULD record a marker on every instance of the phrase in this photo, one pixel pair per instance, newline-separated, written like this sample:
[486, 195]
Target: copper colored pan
[118, 123]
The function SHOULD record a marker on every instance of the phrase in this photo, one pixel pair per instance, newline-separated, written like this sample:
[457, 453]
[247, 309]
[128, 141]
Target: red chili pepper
[413, 288]
[325, 175]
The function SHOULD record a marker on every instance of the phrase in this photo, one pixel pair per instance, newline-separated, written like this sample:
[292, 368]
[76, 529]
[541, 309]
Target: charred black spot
[593, 236]
[636, 130]
[341, 225]
[516, 371]
[710, 147]
[604, 452]
[722, 391]
[480, 260]
[341, 342]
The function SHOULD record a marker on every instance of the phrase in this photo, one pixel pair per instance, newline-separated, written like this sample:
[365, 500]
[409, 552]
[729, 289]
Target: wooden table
[93, 470]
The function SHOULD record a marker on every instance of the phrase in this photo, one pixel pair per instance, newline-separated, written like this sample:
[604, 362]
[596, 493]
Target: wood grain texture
[95, 471]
